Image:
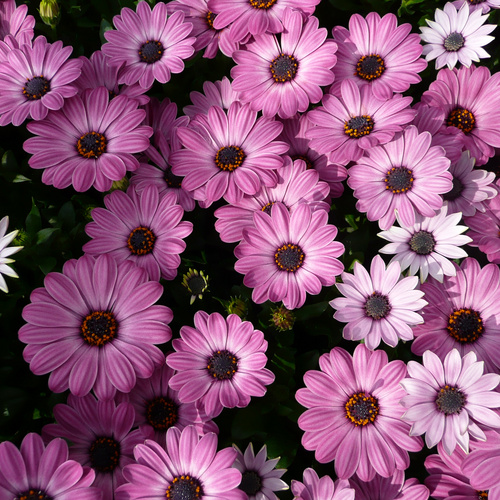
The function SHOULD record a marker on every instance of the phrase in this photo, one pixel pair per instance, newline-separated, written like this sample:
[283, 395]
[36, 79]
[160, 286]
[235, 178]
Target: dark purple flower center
[104, 454]
[210, 20]
[222, 365]
[284, 68]
[267, 207]
[262, 4]
[476, 2]
[173, 181]
[162, 413]
[462, 119]
[91, 145]
[250, 482]
[465, 325]
[370, 67]
[309, 163]
[377, 306]
[482, 494]
[361, 409]
[229, 158]
[33, 494]
[99, 328]
[422, 242]
[151, 51]
[450, 400]
[454, 41]
[196, 284]
[36, 87]
[289, 257]
[359, 126]
[141, 241]
[455, 191]
[184, 488]
[399, 180]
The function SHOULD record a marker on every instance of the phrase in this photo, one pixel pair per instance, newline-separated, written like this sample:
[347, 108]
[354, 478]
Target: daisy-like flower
[259, 478]
[142, 228]
[406, 175]
[314, 488]
[482, 5]
[15, 21]
[90, 142]
[43, 472]
[378, 306]
[220, 362]
[356, 121]
[463, 313]
[6, 252]
[196, 283]
[378, 52]
[288, 255]
[149, 44]
[426, 246]
[35, 79]
[354, 415]
[101, 437]
[285, 77]
[94, 326]
[456, 35]
[448, 399]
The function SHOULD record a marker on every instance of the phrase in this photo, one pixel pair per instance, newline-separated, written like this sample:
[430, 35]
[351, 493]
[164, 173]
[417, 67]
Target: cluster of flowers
[148, 431]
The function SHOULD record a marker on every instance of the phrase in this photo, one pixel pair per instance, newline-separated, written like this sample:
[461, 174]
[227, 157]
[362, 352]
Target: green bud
[50, 12]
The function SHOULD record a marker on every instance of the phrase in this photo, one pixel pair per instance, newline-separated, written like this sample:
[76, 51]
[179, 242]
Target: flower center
[289, 257]
[222, 365]
[476, 2]
[250, 482]
[184, 488]
[455, 191]
[173, 181]
[210, 20]
[370, 67]
[377, 306]
[262, 4]
[151, 51]
[104, 454]
[229, 157]
[361, 408]
[33, 495]
[36, 87]
[465, 325]
[482, 494]
[196, 284]
[422, 243]
[284, 68]
[91, 145]
[141, 241]
[99, 328]
[454, 41]
[462, 119]
[358, 126]
[309, 163]
[162, 413]
[450, 400]
[267, 207]
[399, 180]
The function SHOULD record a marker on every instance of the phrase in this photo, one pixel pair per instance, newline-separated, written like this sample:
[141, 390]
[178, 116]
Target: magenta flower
[354, 415]
[314, 488]
[448, 399]
[348, 125]
[90, 142]
[299, 65]
[220, 363]
[288, 255]
[15, 21]
[189, 467]
[39, 471]
[36, 79]
[396, 177]
[462, 313]
[483, 5]
[94, 326]
[378, 52]
[150, 44]
[101, 437]
[378, 306]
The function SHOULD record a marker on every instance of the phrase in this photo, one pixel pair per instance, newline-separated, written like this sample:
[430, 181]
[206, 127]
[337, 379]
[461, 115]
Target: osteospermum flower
[288, 255]
[196, 283]
[448, 399]
[482, 5]
[285, 77]
[220, 363]
[14, 21]
[259, 477]
[36, 79]
[378, 52]
[314, 488]
[456, 35]
[378, 306]
[6, 252]
[94, 326]
[149, 44]
[426, 246]
[406, 175]
[90, 142]
[43, 472]
[354, 415]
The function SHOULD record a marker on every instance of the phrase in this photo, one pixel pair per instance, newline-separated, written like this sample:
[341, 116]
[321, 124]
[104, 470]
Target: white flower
[5, 251]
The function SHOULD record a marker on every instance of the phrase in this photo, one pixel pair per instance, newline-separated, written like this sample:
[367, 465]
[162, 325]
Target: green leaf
[44, 234]
[47, 264]
[33, 220]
